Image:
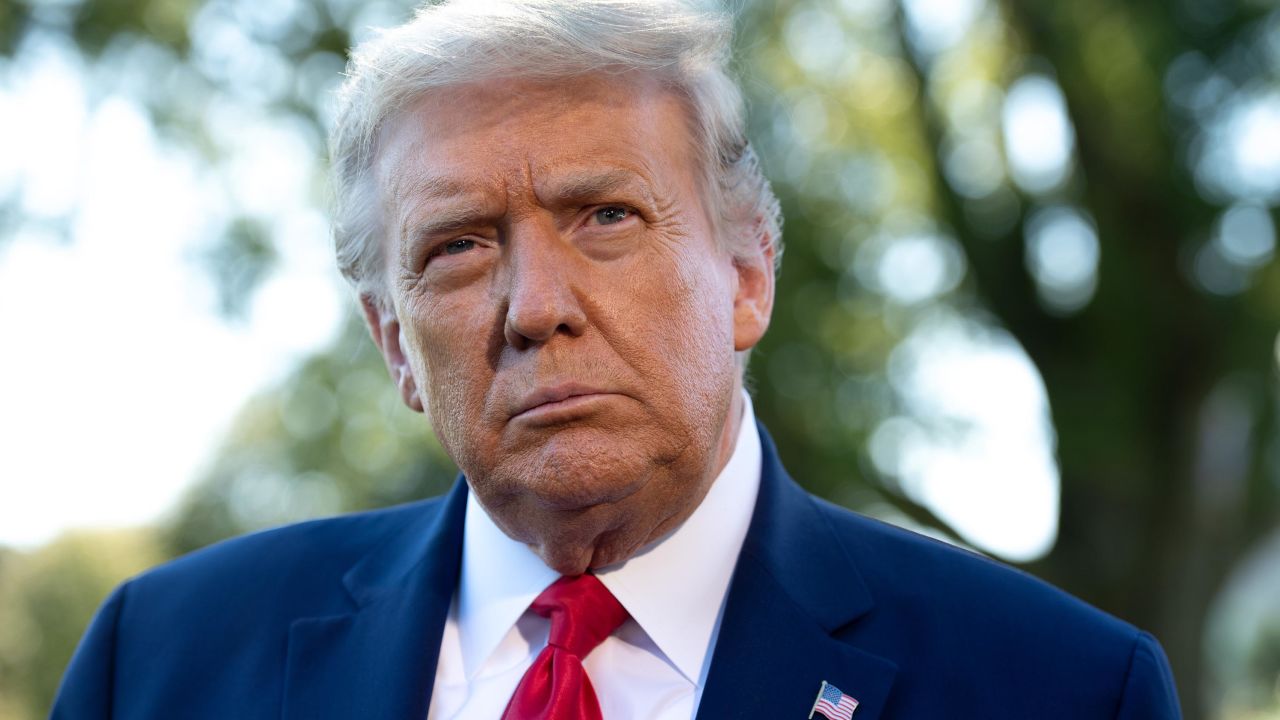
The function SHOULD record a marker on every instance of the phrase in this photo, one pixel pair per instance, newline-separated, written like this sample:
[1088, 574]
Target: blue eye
[458, 246]
[612, 214]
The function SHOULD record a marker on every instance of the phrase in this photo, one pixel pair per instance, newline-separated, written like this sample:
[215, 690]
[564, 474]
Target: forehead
[505, 131]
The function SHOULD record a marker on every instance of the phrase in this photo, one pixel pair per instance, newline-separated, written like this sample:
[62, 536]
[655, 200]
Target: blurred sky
[119, 373]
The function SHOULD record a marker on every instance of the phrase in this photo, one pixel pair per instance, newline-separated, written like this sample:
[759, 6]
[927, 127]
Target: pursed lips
[554, 394]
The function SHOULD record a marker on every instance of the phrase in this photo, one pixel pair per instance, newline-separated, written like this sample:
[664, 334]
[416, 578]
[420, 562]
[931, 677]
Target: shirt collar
[673, 590]
[500, 579]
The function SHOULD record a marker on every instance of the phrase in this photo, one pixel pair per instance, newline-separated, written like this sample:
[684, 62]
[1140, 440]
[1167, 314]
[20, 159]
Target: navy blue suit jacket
[341, 618]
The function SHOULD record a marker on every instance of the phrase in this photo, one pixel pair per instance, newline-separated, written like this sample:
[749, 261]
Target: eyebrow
[588, 184]
[445, 220]
[593, 185]
[451, 216]
[420, 190]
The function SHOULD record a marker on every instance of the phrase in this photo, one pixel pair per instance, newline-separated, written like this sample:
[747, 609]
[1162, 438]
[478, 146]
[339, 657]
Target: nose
[541, 287]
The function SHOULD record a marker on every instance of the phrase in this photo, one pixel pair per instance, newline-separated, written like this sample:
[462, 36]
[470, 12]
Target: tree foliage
[47, 598]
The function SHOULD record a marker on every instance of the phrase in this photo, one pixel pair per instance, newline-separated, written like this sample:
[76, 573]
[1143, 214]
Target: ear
[753, 300]
[385, 328]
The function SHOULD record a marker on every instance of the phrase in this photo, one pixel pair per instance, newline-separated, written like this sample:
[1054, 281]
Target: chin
[574, 487]
[579, 468]
[586, 497]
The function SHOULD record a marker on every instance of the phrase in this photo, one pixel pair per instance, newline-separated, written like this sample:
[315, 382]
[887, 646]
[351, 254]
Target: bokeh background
[1029, 302]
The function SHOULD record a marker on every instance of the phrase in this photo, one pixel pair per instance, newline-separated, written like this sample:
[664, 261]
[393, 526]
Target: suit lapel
[793, 587]
[379, 661]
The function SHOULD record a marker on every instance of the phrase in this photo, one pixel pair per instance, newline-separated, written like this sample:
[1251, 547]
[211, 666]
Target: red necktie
[583, 613]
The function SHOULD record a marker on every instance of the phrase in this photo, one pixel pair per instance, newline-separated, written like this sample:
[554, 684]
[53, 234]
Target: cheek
[449, 341]
[699, 302]
[689, 330]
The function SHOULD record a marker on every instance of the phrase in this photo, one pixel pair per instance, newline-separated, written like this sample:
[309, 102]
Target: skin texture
[548, 246]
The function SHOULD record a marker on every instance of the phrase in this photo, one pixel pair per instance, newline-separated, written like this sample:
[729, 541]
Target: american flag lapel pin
[833, 704]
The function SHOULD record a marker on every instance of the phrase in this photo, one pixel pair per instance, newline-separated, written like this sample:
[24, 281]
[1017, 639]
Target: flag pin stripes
[833, 704]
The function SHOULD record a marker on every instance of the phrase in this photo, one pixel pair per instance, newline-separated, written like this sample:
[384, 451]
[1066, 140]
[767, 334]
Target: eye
[460, 245]
[453, 247]
[611, 214]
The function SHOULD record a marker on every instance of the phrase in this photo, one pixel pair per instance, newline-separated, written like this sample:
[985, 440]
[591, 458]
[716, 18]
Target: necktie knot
[555, 687]
[582, 612]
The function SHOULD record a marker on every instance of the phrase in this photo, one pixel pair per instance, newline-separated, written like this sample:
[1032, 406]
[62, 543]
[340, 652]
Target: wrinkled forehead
[522, 129]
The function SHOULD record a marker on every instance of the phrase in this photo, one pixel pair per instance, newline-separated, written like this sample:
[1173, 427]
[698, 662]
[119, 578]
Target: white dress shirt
[655, 665]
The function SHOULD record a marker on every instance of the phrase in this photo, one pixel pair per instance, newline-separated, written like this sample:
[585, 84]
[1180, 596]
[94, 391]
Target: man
[565, 250]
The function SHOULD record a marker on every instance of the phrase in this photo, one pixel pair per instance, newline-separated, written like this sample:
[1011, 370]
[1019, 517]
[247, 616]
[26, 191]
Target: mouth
[560, 403]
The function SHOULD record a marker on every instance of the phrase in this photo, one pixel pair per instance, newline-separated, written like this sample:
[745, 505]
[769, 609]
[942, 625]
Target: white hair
[450, 44]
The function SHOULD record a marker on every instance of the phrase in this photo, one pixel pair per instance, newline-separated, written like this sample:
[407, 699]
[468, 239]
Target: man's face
[561, 308]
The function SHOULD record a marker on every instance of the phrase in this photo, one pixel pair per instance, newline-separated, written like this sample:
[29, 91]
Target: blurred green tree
[46, 599]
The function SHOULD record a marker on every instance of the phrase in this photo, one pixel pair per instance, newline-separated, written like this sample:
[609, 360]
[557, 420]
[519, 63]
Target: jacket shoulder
[905, 568]
[214, 624]
[293, 568]
[1001, 642]
[953, 616]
